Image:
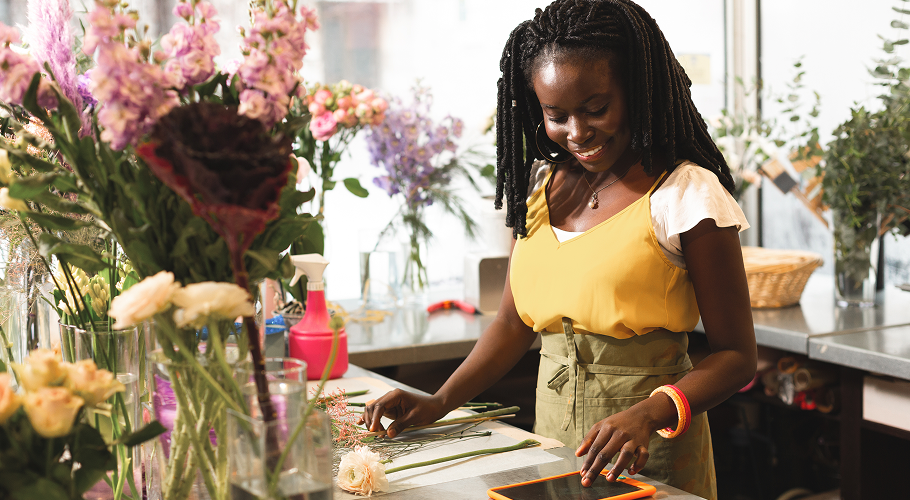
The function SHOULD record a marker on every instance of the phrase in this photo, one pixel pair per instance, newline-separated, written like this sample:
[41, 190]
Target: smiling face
[584, 109]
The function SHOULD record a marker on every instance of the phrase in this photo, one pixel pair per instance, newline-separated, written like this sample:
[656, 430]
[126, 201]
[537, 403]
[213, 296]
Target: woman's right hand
[404, 408]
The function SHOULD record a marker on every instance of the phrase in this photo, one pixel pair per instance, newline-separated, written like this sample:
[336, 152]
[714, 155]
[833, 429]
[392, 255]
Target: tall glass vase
[119, 352]
[855, 260]
[190, 397]
[414, 278]
[286, 458]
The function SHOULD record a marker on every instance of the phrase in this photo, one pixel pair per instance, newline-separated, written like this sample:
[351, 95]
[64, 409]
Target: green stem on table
[527, 443]
[491, 413]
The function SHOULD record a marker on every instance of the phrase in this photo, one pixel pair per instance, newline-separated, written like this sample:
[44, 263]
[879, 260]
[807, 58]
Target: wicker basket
[777, 277]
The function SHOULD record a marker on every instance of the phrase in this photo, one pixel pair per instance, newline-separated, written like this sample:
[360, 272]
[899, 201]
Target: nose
[578, 130]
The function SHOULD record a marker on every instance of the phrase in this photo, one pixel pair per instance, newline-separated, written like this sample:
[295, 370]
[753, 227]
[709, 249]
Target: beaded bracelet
[682, 409]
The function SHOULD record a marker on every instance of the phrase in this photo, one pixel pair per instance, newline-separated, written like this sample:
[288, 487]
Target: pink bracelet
[682, 409]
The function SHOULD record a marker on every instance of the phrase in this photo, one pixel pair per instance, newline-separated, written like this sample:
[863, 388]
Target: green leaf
[355, 188]
[794, 118]
[30, 100]
[902, 11]
[59, 204]
[81, 256]
[267, 258]
[56, 222]
[42, 488]
[147, 433]
[899, 25]
[26, 188]
[902, 41]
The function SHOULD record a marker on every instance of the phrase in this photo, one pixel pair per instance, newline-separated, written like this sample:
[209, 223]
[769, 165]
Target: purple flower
[50, 41]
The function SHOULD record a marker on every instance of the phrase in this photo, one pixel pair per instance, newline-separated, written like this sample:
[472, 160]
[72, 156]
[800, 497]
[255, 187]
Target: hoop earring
[552, 157]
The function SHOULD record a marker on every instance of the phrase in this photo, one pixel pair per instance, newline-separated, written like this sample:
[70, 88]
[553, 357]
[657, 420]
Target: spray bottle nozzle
[312, 265]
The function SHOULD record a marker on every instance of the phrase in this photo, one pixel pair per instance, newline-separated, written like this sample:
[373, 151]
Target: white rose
[362, 472]
[10, 203]
[91, 384]
[143, 300]
[200, 301]
[43, 368]
[6, 173]
[9, 400]
[52, 410]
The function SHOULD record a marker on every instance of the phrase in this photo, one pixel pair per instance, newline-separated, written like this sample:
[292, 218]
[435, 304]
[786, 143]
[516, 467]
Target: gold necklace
[594, 203]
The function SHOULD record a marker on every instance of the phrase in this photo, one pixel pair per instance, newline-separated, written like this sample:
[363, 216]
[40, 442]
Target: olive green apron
[586, 378]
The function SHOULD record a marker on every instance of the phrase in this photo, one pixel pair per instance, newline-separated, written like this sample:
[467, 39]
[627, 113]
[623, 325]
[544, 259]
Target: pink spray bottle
[311, 339]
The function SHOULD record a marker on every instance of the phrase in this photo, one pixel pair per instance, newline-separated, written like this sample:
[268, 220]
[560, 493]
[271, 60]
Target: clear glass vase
[190, 399]
[289, 457]
[121, 353]
[855, 260]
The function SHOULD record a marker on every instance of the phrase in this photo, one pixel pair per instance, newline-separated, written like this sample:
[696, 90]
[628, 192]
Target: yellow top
[613, 279]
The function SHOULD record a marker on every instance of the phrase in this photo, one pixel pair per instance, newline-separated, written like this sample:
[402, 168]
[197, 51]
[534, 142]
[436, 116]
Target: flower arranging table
[559, 459]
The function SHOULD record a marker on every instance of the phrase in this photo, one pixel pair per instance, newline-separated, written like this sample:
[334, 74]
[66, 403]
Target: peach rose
[43, 368]
[91, 384]
[200, 301]
[143, 300]
[52, 410]
[362, 472]
[9, 400]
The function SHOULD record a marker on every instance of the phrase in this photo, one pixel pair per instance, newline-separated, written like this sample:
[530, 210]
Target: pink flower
[344, 102]
[8, 34]
[253, 104]
[206, 10]
[183, 10]
[309, 17]
[379, 105]
[322, 95]
[340, 115]
[323, 127]
[316, 109]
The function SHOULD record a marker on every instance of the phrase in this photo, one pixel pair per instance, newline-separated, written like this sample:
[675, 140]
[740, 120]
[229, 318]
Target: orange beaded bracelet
[682, 409]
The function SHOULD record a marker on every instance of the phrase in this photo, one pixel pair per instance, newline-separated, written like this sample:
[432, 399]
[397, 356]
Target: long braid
[663, 119]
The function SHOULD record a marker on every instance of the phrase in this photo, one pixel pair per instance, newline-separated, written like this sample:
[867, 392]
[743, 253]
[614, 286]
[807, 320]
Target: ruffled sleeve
[690, 195]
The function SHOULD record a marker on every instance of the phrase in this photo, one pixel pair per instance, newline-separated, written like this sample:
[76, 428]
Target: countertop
[475, 488]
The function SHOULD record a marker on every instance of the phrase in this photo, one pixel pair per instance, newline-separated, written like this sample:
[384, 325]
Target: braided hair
[662, 116]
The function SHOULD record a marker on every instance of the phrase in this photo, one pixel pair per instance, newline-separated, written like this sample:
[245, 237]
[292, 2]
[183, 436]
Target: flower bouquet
[420, 161]
[47, 448]
[214, 202]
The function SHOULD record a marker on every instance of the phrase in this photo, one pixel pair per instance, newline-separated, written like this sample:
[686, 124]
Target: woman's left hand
[626, 433]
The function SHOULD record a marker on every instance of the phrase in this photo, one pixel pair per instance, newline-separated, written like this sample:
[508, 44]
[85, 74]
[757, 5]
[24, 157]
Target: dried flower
[230, 168]
[52, 410]
[362, 472]
[9, 400]
[143, 300]
[50, 40]
[200, 302]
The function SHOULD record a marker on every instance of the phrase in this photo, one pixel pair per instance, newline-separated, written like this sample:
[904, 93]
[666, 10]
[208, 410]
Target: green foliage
[866, 167]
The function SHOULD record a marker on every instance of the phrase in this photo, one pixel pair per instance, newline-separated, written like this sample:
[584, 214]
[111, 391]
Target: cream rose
[43, 368]
[52, 410]
[10, 203]
[91, 384]
[200, 301]
[143, 300]
[9, 400]
[362, 472]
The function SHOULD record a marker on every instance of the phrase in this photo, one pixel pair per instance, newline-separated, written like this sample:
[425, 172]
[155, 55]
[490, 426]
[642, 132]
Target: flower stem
[527, 443]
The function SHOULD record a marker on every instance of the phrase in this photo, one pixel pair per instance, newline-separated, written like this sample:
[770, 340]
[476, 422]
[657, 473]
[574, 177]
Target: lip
[595, 156]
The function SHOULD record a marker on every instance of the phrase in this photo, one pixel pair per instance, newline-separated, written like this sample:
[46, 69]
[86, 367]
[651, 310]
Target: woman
[624, 235]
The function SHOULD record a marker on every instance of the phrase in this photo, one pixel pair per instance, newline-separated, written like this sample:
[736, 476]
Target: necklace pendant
[593, 203]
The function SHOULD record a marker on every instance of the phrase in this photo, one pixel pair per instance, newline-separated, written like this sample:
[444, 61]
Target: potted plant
[864, 180]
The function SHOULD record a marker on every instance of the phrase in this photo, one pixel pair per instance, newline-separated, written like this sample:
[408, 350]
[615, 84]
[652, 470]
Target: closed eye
[599, 111]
